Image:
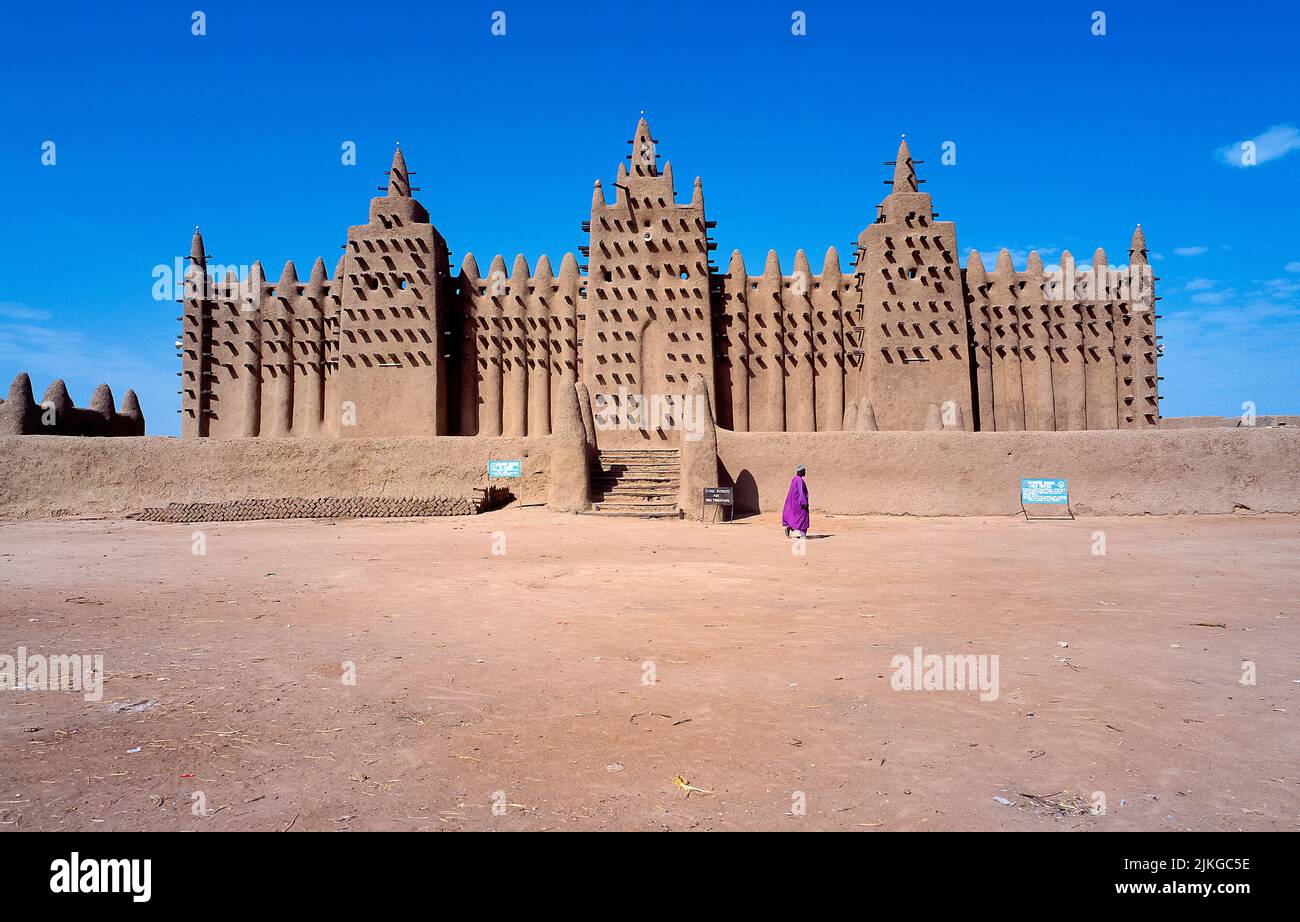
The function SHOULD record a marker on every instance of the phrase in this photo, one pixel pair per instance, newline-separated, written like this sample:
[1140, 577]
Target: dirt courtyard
[526, 670]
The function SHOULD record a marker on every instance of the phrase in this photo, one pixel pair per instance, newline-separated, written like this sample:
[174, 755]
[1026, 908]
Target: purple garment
[795, 514]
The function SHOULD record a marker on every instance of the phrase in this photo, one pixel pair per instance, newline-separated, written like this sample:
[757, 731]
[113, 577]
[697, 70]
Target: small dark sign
[718, 496]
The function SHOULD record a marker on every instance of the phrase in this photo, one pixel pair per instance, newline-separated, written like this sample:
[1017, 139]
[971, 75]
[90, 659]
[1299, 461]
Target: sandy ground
[520, 679]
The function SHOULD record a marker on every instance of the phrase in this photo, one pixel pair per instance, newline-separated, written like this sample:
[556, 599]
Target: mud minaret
[195, 343]
[915, 349]
[648, 323]
[396, 305]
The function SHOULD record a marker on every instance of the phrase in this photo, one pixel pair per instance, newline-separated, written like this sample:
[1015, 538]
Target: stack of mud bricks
[350, 507]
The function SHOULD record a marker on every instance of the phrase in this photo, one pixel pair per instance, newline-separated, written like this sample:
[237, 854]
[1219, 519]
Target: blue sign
[505, 469]
[1044, 491]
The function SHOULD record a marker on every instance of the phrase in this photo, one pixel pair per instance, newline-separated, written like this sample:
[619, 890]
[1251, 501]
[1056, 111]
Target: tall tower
[195, 343]
[911, 312]
[394, 320]
[648, 322]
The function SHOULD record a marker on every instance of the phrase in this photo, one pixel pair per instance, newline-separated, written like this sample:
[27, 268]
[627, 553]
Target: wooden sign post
[718, 496]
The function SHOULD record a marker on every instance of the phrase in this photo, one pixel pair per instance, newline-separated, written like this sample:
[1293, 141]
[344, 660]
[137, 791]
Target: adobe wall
[43, 476]
[1188, 471]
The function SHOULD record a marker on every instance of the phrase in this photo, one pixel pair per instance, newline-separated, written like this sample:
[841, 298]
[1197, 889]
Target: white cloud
[1190, 251]
[11, 311]
[1292, 267]
[1276, 142]
[1283, 286]
[1200, 284]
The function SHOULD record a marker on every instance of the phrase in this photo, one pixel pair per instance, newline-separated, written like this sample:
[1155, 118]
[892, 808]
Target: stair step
[633, 493]
[640, 453]
[636, 483]
[619, 470]
[619, 467]
[613, 514]
[634, 504]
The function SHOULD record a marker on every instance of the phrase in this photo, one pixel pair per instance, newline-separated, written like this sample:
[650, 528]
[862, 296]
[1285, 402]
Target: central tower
[911, 313]
[648, 322]
[392, 371]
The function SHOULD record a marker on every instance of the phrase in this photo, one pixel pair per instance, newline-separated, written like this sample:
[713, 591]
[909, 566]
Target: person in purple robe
[795, 514]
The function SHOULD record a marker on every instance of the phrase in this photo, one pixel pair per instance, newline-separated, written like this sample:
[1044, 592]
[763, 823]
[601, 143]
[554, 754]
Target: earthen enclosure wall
[1187, 471]
[43, 476]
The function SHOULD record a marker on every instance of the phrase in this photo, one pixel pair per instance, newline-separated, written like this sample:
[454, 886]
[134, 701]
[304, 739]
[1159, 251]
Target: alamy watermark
[932, 672]
[626, 411]
[57, 672]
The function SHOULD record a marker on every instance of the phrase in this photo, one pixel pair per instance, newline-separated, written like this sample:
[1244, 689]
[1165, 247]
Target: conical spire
[802, 274]
[904, 171]
[975, 273]
[801, 263]
[831, 265]
[1137, 250]
[1034, 266]
[315, 289]
[736, 268]
[1069, 276]
[620, 185]
[497, 270]
[569, 271]
[132, 417]
[543, 274]
[1004, 267]
[772, 267]
[288, 284]
[519, 272]
[198, 254]
[102, 401]
[697, 195]
[597, 197]
[256, 284]
[644, 162]
[56, 395]
[399, 178]
[338, 268]
[130, 404]
[469, 266]
[21, 389]
[56, 399]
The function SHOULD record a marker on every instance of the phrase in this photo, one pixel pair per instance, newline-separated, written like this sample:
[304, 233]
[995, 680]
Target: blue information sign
[1044, 491]
[505, 469]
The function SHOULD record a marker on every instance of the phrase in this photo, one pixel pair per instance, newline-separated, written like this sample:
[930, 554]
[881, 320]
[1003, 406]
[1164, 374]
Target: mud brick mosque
[395, 343]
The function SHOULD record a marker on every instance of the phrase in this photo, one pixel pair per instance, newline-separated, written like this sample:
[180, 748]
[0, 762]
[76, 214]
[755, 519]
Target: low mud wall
[1163, 472]
[43, 476]
[1160, 472]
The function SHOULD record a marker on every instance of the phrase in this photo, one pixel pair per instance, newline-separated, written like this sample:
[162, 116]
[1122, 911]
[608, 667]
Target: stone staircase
[636, 482]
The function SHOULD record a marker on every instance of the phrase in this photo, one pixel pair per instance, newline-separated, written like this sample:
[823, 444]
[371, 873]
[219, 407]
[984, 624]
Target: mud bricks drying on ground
[348, 507]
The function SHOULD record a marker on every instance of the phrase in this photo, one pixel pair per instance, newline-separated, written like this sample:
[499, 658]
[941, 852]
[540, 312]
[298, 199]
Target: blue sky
[1064, 140]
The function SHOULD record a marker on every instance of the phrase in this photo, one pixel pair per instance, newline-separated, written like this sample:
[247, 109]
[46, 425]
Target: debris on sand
[688, 787]
[1056, 805]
